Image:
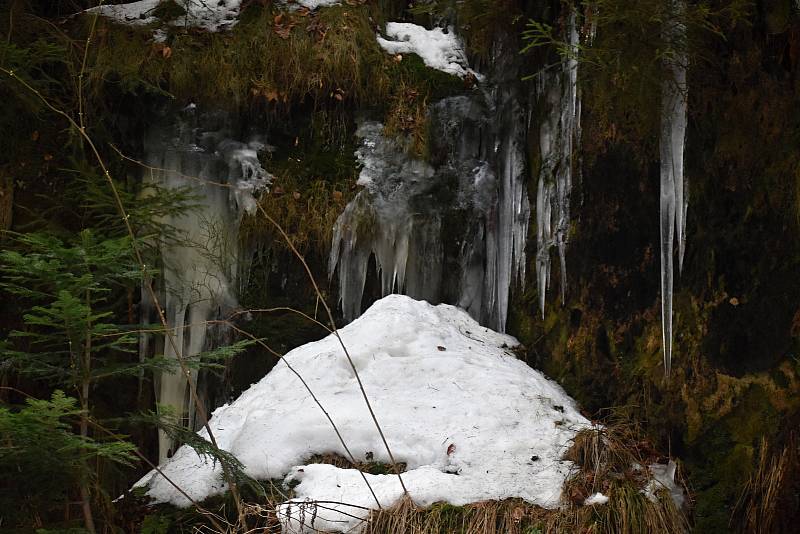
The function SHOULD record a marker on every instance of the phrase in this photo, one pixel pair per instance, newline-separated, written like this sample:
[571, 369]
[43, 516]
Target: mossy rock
[168, 10]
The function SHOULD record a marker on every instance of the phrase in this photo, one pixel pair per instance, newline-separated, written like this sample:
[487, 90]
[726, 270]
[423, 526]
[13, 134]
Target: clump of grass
[510, 516]
[768, 499]
[408, 118]
[601, 456]
[612, 460]
[273, 57]
[604, 458]
[276, 56]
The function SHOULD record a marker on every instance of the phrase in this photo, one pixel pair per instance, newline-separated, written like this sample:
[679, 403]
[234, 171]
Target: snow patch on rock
[213, 15]
[439, 49]
[470, 420]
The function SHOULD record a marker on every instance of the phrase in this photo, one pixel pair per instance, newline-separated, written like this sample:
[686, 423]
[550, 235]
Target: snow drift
[470, 420]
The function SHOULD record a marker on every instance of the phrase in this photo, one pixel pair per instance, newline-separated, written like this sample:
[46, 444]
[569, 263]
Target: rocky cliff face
[308, 78]
[733, 387]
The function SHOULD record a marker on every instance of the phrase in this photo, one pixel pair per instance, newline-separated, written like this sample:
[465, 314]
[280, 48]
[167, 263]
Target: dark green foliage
[156, 524]
[147, 206]
[41, 456]
[68, 285]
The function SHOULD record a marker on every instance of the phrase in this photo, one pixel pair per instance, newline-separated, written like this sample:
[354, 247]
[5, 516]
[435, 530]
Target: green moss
[276, 59]
[156, 524]
[481, 23]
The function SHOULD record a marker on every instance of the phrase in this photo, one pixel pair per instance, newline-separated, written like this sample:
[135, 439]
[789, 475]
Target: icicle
[543, 232]
[200, 271]
[381, 222]
[674, 196]
[558, 136]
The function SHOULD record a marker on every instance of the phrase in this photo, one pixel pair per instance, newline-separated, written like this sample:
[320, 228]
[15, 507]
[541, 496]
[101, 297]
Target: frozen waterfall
[559, 136]
[199, 273]
[674, 195]
[450, 229]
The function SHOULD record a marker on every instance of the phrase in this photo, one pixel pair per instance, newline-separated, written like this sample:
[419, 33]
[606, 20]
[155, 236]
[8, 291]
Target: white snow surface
[211, 15]
[471, 421]
[439, 49]
[595, 498]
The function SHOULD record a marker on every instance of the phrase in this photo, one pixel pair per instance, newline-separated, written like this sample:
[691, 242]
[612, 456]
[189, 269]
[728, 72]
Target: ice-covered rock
[312, 4]
[663, 478]
[451, 228]
[595, 498]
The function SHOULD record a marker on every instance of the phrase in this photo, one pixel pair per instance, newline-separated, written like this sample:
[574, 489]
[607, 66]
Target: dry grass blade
[763, 501]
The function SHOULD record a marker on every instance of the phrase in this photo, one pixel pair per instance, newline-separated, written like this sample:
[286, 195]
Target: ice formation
[662, 477]
[674, 192]
[470, 420]
[200, 272]
[408, 206]
[559, 135]
[209, 15]
[449, 229]
[382, 221]
[439, 49]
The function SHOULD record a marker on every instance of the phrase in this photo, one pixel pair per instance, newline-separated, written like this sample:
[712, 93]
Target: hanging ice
[451, 229]
[559, 136]
[200, 269]
[674, 196]
[381, 221]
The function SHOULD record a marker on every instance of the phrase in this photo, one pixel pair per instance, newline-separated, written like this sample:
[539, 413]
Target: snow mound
[209, 15]
[470, 420]
[439, 50]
